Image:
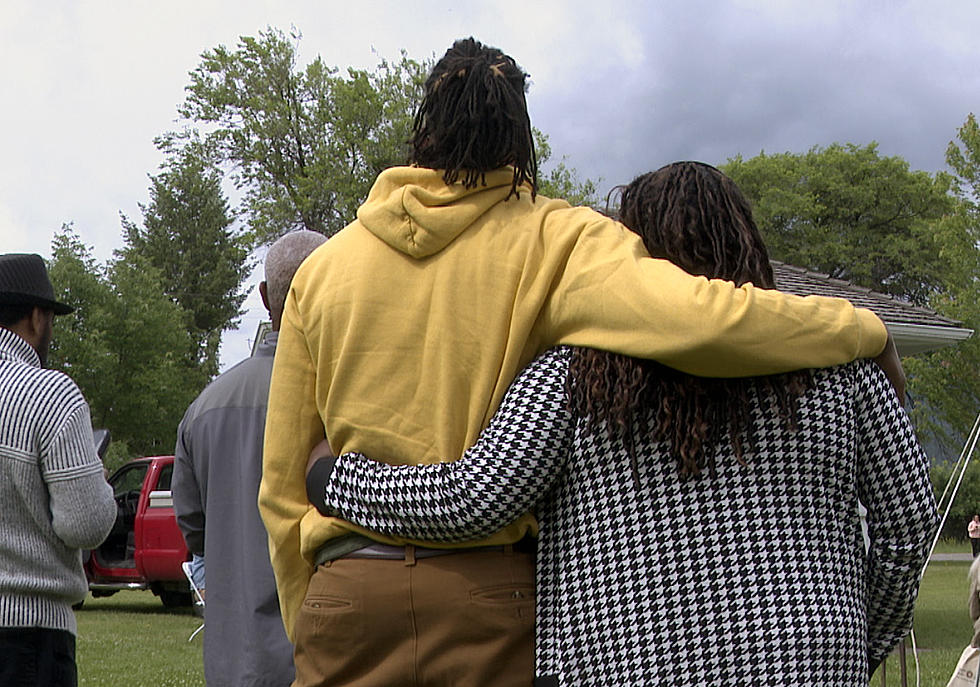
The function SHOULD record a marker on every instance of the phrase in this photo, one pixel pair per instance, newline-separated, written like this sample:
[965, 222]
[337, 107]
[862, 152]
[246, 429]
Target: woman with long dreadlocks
[624, 460]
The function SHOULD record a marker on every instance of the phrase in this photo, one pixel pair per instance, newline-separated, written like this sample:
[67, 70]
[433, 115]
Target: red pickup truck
[145, 548]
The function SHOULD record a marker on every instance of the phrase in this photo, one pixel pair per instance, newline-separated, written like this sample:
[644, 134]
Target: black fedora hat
[24, 281]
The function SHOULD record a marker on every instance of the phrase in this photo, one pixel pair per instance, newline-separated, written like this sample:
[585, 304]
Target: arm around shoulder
[514, 461]
[612, 295]
[891, 365]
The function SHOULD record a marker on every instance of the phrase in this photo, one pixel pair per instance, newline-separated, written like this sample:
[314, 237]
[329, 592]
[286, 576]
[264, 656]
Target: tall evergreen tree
[187, 234]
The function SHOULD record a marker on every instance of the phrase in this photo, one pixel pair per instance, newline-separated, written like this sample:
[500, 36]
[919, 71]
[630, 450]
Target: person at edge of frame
[54, 496]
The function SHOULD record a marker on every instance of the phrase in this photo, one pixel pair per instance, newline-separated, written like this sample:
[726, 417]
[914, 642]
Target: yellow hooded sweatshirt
[401, 333]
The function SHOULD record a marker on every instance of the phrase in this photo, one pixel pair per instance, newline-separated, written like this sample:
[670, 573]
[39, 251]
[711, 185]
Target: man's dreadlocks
[473, 118]
[696, 217]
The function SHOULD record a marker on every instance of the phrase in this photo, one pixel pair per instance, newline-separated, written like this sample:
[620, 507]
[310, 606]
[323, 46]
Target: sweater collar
[16, 350]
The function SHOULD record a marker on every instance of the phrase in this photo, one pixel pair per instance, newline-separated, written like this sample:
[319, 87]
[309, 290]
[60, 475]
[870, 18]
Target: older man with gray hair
[215, 487]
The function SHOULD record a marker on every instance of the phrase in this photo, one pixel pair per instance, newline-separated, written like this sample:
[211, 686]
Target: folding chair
[199, 602]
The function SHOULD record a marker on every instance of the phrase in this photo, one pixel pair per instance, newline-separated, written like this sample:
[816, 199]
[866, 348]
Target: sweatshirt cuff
[316, 482]
[874, 334]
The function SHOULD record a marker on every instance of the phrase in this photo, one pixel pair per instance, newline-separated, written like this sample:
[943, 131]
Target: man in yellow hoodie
[401, 335]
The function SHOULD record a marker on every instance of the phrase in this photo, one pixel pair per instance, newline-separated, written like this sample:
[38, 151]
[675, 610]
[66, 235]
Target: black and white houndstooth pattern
[756, 575]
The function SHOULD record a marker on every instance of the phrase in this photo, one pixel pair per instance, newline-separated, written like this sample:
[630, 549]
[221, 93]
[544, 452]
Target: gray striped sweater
[54, 500]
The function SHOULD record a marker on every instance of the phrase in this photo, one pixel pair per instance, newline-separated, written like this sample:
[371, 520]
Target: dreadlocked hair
[473, 118]
[696, 217]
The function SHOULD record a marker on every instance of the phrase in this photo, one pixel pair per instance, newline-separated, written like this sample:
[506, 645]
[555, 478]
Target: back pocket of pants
[504, 594]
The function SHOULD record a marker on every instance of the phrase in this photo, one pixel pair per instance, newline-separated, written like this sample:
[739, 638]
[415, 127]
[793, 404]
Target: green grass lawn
[942, 626]
[953, 546]
[131, 640]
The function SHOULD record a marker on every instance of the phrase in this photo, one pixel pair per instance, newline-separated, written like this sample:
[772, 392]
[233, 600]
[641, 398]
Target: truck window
[166, 474]
[129, 479]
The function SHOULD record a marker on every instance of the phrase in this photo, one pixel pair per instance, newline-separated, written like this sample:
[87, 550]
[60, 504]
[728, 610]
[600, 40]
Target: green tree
[949, 379]
[152, 384]
[304, 144]
[126, 346]
[963, 157]
[78, 346]
[967, 501]
[849, 212]
[187, 235]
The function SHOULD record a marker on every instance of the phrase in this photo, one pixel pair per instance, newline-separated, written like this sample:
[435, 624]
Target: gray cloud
[715, 84]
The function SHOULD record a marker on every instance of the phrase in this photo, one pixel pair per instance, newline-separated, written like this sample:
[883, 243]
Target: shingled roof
[915, 329]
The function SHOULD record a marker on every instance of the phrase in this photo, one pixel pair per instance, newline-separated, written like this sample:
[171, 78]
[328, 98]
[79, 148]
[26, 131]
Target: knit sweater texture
[54, 499]
[402, 333]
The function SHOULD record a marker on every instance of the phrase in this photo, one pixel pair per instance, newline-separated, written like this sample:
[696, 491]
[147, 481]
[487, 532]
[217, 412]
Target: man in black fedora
[54, 500]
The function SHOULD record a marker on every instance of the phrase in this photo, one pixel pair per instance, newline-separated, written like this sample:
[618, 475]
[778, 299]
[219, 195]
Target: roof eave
[911, 339]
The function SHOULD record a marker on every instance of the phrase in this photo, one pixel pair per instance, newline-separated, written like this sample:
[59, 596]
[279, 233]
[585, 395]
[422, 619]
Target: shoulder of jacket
[251, 372]
[53, 384]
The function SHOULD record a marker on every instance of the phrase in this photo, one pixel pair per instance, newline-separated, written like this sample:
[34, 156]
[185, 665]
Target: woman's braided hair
[696, 217]
[473, 118]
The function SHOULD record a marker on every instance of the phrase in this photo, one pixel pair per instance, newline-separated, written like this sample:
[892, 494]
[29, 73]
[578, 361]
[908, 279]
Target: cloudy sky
[620, 89]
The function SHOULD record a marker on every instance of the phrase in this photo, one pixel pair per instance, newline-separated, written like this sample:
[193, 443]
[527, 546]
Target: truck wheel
[173, 599]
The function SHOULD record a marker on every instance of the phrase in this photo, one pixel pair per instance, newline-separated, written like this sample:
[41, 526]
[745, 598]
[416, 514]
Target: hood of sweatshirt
[414, 211]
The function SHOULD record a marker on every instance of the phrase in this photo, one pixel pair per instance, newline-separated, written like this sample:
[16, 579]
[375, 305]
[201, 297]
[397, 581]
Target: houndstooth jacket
[755, 575]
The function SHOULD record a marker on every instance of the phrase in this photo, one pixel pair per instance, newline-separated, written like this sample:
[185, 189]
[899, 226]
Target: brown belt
[408, 551]
[358, 546]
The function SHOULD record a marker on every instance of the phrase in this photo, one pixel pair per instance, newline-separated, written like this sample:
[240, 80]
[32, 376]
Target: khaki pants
[458, 620]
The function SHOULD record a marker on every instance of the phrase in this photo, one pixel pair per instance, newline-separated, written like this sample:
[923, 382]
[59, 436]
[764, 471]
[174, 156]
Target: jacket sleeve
[293, 427]
[608, 293]
[893, 484]
[514, 462]
[187, 492]
[82, 507]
